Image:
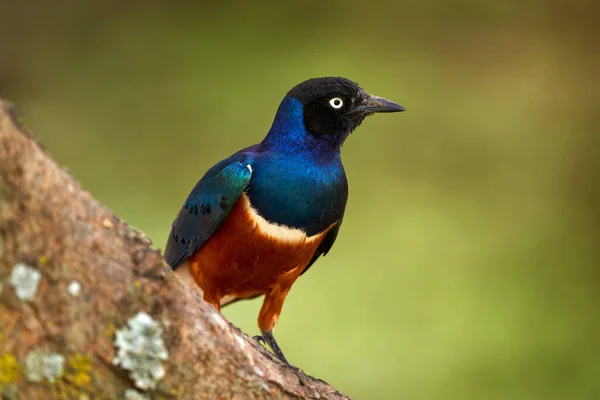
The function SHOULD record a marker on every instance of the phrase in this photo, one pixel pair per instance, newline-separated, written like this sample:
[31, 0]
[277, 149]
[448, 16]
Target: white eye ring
[336, 103]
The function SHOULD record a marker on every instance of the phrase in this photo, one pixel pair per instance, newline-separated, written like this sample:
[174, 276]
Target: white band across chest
[275, 231]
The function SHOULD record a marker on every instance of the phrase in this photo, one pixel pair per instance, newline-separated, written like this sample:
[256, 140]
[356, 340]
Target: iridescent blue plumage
[296, 182]
[299, 180]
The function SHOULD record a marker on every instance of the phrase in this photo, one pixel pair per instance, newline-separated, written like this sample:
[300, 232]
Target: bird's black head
[333, 107]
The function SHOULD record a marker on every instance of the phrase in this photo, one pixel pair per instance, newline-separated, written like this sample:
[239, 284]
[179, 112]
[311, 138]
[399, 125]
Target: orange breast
[247, 256]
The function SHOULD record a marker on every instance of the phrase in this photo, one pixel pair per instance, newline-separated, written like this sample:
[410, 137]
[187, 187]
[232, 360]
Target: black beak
[374, 104]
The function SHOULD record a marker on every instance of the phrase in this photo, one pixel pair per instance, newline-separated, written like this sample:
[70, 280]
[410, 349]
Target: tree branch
[87, 308]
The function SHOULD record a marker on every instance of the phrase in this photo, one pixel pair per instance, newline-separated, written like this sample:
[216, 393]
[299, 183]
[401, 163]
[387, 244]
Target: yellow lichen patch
[78, 370]
[110, 330]
[76, 382]
[61, 390]
[9, 368]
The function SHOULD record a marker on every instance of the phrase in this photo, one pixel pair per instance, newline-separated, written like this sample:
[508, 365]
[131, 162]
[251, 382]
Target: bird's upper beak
[375, 104]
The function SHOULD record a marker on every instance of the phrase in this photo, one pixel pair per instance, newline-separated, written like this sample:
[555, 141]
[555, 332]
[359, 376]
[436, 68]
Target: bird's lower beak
[375, 104]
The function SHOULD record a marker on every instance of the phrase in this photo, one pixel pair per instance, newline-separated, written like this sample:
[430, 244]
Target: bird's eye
[336, 103]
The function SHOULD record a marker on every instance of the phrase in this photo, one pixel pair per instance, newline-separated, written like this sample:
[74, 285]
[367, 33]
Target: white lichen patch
[141, 349]
[215, 318]
[132, 394]
[74, 288]
[259, 371]
[25, 280]
[42, 365]
[241, 342]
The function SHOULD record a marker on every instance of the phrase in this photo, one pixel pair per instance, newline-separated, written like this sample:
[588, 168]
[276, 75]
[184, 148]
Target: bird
[259, 219]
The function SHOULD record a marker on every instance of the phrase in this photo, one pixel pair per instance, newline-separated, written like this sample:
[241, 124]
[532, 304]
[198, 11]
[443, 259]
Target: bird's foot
[267, 339]
[270, 339]
[259, 339]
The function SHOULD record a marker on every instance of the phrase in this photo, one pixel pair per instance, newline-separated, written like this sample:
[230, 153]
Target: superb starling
[260, 218]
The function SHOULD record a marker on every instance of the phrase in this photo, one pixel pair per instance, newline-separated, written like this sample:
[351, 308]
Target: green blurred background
[468, 266]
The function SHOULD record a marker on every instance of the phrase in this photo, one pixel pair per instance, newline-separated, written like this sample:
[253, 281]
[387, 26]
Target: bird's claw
[260, 339]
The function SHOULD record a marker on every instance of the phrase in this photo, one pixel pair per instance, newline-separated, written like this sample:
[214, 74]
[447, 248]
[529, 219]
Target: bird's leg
[267, 319]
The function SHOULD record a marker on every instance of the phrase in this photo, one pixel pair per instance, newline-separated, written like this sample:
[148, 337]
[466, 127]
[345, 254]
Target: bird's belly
[247, 255]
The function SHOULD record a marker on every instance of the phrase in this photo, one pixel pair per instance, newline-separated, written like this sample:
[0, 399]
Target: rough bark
[97, 273]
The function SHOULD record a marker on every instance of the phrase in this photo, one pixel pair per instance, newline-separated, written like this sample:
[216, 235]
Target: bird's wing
[204, 210]
[325, 245]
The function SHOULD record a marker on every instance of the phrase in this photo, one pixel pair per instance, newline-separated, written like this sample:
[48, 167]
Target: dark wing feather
[325, 245]
[206, 207]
